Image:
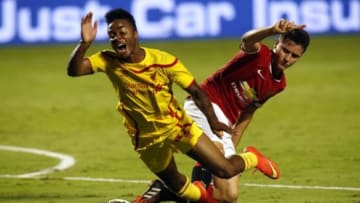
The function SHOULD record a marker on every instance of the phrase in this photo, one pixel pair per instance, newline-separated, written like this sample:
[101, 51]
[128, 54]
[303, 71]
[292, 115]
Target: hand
[88, 30]
[218, 128]
[284, 26]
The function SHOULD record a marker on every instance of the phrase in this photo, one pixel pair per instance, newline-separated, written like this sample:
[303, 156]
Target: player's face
[123, 38]
[287, 53]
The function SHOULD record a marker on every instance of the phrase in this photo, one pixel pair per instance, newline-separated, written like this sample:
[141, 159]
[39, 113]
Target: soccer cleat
[157, 192]
[118, 201]
[152, 194]
[265, 165]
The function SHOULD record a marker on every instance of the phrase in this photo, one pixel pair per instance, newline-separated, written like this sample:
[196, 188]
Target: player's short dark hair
[299, 36]
[119, 13]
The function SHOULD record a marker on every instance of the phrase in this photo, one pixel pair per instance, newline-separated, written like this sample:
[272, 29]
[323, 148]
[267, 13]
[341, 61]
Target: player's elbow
[78, 70]
[246, 38]
[71, 72]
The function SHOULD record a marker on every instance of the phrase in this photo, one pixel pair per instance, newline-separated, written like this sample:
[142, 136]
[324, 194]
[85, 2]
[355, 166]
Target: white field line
[67, 161]
[244, 184]
[302, 187]
[112, 180]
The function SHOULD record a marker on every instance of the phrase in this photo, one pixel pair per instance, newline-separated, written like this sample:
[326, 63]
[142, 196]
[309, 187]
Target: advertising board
[48, 21]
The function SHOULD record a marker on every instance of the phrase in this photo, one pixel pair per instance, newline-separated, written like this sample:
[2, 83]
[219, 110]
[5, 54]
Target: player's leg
[159, 159]
[267, 168]
[158, 192]
[199, 172]
[226, 190]
[194, 143]
[206, 153]
[178, 188]
[211, 158]
[192, 193]
[182, 186]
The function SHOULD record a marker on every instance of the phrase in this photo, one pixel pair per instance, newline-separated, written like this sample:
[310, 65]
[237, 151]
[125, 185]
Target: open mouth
[121, 48]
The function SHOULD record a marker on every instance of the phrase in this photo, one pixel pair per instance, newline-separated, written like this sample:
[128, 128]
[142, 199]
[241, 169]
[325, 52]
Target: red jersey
[245, 80]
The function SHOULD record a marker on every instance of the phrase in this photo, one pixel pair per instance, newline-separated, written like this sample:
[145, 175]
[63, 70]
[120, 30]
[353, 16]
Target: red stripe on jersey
[191, 84]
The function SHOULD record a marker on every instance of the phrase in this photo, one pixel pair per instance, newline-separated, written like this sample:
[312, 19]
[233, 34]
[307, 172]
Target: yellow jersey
[145, 93]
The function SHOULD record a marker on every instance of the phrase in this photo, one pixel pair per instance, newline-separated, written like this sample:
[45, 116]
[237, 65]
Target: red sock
[205, 196]
[210, 189]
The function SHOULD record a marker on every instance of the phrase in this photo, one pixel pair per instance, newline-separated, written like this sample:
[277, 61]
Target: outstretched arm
[78, 65]
[202, 100]
[250, 41]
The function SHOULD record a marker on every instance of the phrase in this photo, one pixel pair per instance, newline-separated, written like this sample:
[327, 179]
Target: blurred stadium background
[312, 129]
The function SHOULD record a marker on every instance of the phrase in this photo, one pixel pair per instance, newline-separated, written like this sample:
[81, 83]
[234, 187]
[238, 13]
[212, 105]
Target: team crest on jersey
[153, 76]
[245, 93]
[248, 91]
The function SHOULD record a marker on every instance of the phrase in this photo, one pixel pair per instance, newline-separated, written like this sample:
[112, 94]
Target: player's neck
[137, 56]
[276, 72]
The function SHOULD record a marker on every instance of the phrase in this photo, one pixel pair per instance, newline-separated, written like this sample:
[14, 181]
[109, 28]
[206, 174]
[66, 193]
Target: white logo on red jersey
[259, 72]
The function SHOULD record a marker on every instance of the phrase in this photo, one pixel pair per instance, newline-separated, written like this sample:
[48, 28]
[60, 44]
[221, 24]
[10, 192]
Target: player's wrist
[273, 30]
[86, 43]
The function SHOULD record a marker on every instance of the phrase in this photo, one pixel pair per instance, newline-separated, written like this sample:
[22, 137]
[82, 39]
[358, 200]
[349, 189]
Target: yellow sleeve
[180, 74]
[174, 68]
[100, 60]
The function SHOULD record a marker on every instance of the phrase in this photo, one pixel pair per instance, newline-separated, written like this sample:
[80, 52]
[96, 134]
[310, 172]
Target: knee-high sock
[190, 191]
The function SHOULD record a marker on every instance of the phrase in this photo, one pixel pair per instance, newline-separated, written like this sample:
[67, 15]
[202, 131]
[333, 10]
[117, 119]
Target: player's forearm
[75, 64]
[242, 123]
[257, 35]
[239, 131]
[204, 104]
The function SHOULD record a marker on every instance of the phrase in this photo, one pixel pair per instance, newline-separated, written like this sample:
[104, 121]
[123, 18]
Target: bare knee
[226, 190]
[229, 196]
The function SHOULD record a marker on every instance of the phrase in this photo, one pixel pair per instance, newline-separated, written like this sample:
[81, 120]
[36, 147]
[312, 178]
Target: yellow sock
[250, 160]
[190, 192]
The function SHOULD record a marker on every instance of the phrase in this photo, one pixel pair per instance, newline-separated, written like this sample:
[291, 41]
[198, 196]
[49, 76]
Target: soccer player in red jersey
[242, 85]
[245, 83]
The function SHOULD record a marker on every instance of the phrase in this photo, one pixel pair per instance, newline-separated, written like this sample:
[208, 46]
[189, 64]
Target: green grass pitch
[312, 129]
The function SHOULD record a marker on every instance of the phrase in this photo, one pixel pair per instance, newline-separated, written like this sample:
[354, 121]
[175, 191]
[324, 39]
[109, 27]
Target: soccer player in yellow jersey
[158, 125]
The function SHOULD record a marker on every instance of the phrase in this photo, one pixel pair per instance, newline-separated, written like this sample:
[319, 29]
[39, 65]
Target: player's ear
[276, 43]
[136, 35]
